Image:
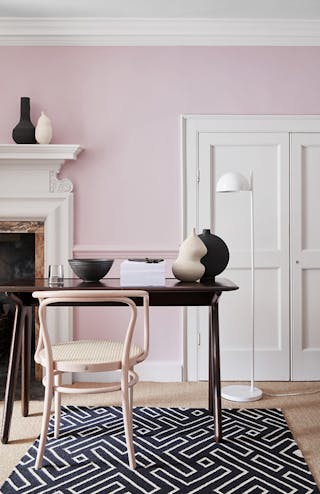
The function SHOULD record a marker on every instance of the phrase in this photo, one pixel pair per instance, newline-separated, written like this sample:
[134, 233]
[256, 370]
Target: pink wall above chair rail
[123, 105]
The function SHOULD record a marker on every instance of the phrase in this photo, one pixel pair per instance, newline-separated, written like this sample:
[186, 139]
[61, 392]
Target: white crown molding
[43, 31]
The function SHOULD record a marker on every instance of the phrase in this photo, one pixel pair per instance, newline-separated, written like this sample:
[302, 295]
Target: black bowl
[90, 269]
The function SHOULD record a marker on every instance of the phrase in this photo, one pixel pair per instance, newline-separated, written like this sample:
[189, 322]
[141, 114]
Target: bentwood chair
[90, 356]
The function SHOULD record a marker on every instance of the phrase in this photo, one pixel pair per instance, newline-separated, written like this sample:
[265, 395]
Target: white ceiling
[256, 9]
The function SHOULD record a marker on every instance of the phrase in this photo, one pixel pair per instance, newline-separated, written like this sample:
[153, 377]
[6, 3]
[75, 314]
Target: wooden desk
[173, 293]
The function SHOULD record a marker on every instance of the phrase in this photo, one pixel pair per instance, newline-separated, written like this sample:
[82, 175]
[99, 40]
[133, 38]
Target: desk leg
[13, 367]
[214, 369]
[26, 361]
[211, 370]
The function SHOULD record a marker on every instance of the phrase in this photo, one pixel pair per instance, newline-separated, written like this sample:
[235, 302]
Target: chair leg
[127, 419]
[57, 406]
[131, 396]
[131, 399]
[45, 420]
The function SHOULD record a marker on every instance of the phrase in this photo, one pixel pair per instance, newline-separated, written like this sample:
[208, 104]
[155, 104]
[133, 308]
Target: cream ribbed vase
[187, 266]
[43, 129]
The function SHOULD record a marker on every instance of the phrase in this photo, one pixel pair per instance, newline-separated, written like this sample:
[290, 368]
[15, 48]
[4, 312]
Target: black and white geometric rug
[175, 453]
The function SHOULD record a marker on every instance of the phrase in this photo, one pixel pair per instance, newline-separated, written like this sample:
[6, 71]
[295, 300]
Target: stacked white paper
[141, 273]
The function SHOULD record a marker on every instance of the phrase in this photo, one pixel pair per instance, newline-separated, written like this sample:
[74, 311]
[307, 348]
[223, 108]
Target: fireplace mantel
[42, 162]
[31, 190]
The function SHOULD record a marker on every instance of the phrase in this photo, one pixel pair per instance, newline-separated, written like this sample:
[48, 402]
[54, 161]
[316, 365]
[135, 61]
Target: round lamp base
[241, 392]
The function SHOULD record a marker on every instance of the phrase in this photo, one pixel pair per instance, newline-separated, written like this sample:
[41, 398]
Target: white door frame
[305, 260]
[191, 128]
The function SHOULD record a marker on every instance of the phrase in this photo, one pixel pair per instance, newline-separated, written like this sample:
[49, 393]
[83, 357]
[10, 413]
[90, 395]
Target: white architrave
[29, 190]
[196, 131]
[305, 255]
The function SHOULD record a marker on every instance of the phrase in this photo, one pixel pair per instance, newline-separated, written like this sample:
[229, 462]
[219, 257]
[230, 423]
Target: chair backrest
[75, 297]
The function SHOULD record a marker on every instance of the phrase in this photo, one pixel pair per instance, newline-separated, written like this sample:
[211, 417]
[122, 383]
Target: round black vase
[24, 131]
[217, 257]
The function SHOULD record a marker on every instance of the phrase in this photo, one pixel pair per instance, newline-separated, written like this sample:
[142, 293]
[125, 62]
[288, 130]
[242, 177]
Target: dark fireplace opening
[17, 256]
[18, 261]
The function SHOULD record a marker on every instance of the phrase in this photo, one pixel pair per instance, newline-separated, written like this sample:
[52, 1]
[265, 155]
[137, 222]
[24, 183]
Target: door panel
[228, 215]
[311, 311]
[305, 209]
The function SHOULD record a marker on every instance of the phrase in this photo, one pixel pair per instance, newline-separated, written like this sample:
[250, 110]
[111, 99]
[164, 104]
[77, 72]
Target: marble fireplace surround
[37, 229]
[30, 190]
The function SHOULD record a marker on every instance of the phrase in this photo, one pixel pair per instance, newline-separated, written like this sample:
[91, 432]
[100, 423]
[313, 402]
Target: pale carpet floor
[302, 414]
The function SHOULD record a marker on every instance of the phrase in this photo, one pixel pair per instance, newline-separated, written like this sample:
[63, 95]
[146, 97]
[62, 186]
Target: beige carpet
[302, 414]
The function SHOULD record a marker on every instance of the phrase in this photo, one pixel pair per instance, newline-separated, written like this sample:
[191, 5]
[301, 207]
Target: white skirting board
[160, 371]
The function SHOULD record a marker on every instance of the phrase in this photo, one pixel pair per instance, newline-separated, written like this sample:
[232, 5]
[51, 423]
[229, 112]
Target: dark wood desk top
[174, 292]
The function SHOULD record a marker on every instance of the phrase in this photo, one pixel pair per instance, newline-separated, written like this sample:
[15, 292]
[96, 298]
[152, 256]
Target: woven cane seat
[89, 353]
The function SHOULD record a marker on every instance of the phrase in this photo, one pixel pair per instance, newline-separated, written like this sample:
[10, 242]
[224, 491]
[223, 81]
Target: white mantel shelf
[35, 167]
[39, 152]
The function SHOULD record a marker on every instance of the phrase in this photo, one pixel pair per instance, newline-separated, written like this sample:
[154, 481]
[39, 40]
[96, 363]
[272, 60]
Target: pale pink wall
[123, 104]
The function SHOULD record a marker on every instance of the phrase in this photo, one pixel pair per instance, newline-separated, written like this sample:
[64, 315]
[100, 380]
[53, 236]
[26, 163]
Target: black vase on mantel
[217, 257]
[24, 131]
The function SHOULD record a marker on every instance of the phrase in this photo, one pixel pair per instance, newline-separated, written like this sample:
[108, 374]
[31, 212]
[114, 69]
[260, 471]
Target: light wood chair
[90, 356]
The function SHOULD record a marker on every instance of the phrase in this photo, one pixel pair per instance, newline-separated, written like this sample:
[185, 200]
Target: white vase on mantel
[43, 132]
[187, 266]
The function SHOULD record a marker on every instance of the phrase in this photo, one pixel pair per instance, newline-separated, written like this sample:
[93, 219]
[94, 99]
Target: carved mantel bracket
[59, 185]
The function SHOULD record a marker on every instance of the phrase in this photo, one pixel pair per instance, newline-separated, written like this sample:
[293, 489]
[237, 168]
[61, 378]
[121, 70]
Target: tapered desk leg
[214, 369]
[210, 361]
[26, 361]
[13, 368]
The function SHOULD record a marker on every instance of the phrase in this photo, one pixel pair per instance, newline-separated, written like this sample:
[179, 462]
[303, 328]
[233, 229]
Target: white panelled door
[305, 221]
[228, 215]
[284, 154]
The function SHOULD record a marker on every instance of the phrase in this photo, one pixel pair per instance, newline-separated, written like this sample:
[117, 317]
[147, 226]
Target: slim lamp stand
[242, 392]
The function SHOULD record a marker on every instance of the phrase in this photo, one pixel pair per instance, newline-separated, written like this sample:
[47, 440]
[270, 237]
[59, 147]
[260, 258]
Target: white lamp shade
[232, 182]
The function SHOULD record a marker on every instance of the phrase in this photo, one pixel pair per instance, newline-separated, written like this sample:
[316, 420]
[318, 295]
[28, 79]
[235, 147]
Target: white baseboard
[160, 371]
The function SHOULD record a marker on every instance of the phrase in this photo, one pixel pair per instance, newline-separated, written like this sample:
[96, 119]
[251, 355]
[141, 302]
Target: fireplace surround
[31, 191]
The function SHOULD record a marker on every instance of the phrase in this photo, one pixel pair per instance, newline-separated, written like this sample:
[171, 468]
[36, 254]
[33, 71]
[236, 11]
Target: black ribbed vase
[217, 257]
[24, 131]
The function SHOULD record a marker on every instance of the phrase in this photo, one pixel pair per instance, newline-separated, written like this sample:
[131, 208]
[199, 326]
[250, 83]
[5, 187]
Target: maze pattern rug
[175, 452]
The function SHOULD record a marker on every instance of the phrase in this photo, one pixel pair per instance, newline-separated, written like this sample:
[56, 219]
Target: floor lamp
[235, 182]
